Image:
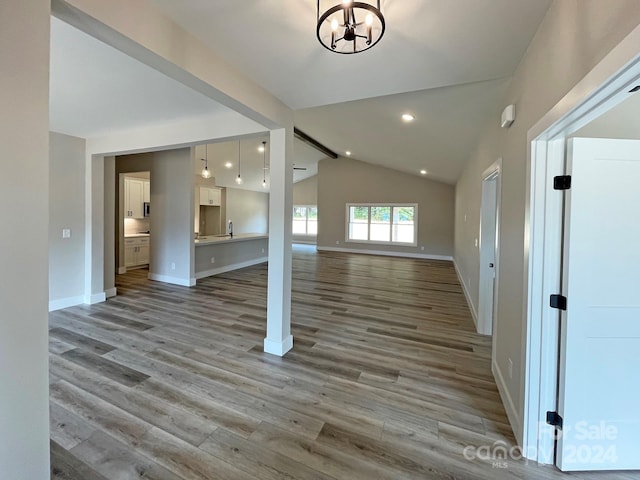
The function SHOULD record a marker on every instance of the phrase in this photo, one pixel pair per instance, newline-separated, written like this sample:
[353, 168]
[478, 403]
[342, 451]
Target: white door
[486, 287]
[599, 384]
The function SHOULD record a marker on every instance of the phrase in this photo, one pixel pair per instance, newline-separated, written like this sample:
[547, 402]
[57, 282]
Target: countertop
[239, 237]
[136, 235]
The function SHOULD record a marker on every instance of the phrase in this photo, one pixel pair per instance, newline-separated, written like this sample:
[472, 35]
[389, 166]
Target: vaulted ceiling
[447, 62]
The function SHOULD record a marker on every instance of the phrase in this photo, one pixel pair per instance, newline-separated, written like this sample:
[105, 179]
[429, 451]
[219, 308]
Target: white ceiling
[445, 61]
[251, 162]
[96, 90]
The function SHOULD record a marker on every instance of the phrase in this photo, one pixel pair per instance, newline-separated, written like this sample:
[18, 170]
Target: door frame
[491, 174]
[605, 86]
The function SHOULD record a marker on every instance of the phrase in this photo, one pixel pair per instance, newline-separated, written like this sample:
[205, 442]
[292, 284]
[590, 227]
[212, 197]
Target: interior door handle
[491, 265]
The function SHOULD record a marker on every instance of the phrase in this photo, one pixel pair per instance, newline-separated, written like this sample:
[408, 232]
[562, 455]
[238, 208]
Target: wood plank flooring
[387, 379]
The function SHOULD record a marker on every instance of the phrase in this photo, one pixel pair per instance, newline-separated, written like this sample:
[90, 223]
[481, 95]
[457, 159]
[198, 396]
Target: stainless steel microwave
[147, 209]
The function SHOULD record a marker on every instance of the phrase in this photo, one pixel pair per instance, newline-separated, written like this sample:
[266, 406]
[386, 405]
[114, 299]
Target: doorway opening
[489, 248]
[546, 326]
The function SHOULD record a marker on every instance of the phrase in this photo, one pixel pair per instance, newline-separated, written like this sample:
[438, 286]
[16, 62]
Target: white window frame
[378, 242]
[306, 220]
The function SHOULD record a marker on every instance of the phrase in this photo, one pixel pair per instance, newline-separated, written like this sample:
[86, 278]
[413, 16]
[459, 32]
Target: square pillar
[279, 339]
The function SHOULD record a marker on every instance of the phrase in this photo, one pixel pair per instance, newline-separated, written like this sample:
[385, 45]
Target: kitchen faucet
[230, 228]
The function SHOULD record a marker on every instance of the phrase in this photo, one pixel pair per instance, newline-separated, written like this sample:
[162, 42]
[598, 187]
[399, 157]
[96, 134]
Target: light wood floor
[387, 379]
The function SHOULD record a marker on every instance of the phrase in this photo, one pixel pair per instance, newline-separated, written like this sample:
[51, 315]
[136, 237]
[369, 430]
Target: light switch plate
[66, 233]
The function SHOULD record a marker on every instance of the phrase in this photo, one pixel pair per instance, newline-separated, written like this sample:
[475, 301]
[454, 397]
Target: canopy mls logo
[592, 443]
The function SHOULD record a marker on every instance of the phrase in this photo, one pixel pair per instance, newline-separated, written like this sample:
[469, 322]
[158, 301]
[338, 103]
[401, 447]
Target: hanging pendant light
[239, 178]
[347, 26]
[264, 164]
[205, 171]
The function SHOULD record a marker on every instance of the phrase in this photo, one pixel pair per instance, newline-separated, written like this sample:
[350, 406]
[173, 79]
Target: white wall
[66, 210]
[248, 210]
[24, 242]
[172, 193]
[571, 40]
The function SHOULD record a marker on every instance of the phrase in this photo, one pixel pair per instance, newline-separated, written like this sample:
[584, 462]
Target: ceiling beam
[300, 135]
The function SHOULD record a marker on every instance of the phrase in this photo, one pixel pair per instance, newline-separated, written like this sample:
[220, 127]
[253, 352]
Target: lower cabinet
[136, 251]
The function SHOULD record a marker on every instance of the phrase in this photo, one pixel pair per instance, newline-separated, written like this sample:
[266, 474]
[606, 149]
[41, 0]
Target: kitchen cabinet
[133, 198]
[146, 191]
[210, 196]
[136, 251]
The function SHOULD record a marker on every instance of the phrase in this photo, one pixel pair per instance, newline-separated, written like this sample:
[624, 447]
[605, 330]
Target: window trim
[306, 220]
[378, 242]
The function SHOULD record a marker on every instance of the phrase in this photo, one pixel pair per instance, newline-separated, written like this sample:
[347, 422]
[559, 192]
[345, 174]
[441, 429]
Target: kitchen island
[217, 254]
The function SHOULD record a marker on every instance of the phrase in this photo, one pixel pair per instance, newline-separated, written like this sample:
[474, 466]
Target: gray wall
[248, 210]
[228, 255]
[172, 197]
[24, 241]
[305, 192]
[343, 180]
[571, 40]
[66, 210]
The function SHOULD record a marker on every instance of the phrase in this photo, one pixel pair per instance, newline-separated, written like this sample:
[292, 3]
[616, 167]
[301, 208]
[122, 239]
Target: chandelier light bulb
[264, 183]
[205, 172]
[239, 180]
[334, 24]
[369, 20]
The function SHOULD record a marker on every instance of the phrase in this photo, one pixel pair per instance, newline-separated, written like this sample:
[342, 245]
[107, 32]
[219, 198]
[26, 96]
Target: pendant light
[205, 171]
[264, 165]
[239, 178]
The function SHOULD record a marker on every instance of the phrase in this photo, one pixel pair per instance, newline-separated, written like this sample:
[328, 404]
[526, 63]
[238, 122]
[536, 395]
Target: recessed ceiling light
[407, 117]
[348, 152]
[228, 164]
[423, 172]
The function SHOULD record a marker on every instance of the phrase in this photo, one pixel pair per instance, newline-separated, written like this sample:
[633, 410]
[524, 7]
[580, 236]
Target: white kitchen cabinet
[136, 251]
[210, 196]
[146, 191]
[133, 198]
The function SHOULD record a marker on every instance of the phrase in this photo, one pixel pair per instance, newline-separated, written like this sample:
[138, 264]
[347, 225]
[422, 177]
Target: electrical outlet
[337, 242]
[422, 248]
[213, 259]
[263, 250]
[465, 218]
[476, 243]
[510, 367]
[66, 233]
[173, 265]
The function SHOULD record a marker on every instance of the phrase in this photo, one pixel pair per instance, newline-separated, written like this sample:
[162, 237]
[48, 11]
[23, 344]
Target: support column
[279, 340]
[94, 240]
[24, 260]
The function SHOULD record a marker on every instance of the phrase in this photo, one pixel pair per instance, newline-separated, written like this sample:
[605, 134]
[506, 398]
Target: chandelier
[349, 26]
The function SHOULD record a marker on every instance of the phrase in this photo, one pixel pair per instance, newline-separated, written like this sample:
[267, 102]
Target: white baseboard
[467, 295]
[304, 242]
[424, 256]
[95, 298]
[279, 348]
[228, 268]
[111, 292]
[122, 270]
[507, 401]
[61, 303]
[172, 280]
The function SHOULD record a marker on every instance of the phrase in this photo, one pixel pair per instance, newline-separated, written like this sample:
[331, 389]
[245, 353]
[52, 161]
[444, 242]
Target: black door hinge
[558, 301]
[554, 419]
[562, 182]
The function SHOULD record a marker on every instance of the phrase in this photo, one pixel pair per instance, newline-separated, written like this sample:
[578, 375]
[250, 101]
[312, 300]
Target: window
[305, 220]
[396, 224]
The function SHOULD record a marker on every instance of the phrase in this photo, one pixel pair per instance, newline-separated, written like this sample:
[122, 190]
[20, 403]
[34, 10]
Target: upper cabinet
[146, 193]
[136, 192]
[210, 196]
